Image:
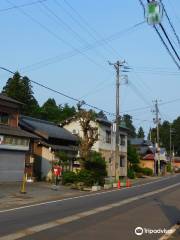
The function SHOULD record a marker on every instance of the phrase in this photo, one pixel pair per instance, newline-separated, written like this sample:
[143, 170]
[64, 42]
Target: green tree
[67, 112]
[97, 166]
[140, 133]
[102, 115]
[50, 111]
[176, 135]
[90, 134]
[133, 157]
[129, 124]
[20, 89]
[164, 133]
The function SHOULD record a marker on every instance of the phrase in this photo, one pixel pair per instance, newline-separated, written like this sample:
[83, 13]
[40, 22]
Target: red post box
[57, 171]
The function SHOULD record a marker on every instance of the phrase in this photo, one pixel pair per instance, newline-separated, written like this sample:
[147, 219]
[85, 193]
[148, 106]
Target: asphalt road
[113, 214]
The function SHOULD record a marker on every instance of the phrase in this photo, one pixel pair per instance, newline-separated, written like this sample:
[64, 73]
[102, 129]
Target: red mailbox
[57, 171]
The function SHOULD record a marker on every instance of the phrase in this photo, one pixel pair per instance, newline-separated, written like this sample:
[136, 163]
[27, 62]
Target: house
[105, 143]
[52, 139]
[148, 155]
[142, 146]
[14, 142]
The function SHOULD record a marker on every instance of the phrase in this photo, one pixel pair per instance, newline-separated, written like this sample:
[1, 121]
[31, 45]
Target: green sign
[154, 13]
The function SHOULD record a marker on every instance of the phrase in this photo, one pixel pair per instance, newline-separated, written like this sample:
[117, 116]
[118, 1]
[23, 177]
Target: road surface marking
[58, 222]
[82, 196]
[170, 232]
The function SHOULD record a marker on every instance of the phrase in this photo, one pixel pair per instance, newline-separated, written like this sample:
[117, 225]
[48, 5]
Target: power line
[78, 22]
[170, 23]
[57, 36]
[164, 43]
[161, 38]
[61, 93]
[22, 5]
[68, 27]
[86, 23]
[73, 53]
[166, 35]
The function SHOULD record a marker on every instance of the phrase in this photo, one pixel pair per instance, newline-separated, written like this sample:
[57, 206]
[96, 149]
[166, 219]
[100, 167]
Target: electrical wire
[86, 23]
[164, 43]
[69, 28]
[161, 38]
[55, 35]
[62, 57]
[167, 37]
[170, 23]
[22, 5]
[61, 93]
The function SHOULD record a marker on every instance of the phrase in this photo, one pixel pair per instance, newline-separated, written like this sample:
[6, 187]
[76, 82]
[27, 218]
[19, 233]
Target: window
[4, 118]
[108, 136]
[123, 140]
[122, 161]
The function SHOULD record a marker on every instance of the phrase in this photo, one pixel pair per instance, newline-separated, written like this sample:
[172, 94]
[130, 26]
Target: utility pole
[117, 67]
[157, 121]
[170, 144]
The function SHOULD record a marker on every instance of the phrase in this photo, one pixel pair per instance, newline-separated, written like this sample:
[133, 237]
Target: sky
[66, 45]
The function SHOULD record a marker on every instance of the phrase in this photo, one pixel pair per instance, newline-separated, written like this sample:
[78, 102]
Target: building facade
[105, 143]
[14, 142]
[51, 140]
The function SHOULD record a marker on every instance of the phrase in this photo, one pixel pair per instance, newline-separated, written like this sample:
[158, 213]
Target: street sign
[154, 12]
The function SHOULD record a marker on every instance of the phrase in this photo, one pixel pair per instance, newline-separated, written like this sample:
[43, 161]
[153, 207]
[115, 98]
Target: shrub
[137, 168]
[169, 169]
[86, 177]
[147, 171]
[131, 173]
[69, 177]
[97, 166]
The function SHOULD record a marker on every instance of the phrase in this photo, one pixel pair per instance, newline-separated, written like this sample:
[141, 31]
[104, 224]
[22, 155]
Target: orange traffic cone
[119, 184]
[128, 183]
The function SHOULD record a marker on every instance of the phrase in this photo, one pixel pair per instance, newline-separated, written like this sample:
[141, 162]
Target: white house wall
[107, 149]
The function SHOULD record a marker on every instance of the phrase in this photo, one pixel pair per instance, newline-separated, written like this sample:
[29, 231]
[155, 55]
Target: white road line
[38, 228]
[82, 196]
[170, 232]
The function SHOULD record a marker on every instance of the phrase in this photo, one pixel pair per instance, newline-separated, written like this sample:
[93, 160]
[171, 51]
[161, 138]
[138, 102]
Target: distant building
[148, 155]
[105, 143]
[51, 139]
[142, 146]
[14, 142]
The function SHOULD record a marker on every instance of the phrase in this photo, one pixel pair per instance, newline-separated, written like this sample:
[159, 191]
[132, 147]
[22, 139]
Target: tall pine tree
[20, 89]
[140, 133]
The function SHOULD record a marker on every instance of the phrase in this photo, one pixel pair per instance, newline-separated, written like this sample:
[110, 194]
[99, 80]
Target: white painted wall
[74, 126]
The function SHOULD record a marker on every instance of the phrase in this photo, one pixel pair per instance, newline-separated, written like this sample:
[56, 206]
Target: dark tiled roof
[59, 147]
[8, 99]
[149, 157]
[12, 131]
[46, 129]
[140, 141]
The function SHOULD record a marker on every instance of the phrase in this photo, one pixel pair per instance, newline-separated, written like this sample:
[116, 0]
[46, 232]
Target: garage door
[11, 166]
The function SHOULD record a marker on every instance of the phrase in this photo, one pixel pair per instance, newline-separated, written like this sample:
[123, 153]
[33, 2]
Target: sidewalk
[10, 196]
[36, 192]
